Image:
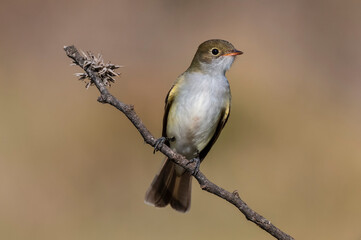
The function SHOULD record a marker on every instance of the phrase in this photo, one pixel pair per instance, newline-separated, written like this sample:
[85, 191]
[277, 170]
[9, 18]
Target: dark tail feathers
[169, 188]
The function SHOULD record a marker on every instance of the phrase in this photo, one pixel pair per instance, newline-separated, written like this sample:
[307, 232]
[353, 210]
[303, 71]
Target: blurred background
[71, 168]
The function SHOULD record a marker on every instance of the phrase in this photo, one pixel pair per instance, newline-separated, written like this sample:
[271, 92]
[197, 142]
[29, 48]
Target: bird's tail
[169, 188]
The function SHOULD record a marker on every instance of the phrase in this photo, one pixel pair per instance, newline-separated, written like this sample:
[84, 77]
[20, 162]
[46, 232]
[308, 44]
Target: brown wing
[221, 123]
[168, 103]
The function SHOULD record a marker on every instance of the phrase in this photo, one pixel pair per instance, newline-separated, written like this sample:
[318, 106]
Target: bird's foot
[198, 163]
[160, 141]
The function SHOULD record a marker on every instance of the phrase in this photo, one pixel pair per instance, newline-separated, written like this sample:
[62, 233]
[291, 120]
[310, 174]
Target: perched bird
[196, 109]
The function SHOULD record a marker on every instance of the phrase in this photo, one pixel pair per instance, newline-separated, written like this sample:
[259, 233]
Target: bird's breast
[195, 113]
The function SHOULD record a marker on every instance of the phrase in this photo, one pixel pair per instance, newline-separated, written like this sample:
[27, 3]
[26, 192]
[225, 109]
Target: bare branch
[99, 74]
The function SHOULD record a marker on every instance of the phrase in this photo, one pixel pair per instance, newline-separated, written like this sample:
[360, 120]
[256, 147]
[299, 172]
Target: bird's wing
[168, 103]
[221, 123]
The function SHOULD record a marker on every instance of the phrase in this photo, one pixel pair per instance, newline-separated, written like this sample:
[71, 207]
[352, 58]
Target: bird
[196, 109]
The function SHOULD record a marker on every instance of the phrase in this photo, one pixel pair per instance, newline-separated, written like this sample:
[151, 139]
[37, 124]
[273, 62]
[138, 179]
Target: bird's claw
[159, 144]
[198, 163]
[160, 141]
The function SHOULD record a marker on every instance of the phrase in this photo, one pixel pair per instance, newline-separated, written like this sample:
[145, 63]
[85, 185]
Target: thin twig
[92, 66]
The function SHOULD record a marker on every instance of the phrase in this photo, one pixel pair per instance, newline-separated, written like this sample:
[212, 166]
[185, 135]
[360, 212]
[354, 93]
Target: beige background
[71, 168]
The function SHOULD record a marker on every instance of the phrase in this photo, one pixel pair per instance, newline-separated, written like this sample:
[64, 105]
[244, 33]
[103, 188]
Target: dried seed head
[106, 72]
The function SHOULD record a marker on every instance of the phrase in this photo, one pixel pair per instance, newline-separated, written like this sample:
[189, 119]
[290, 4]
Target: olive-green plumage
[196, 110]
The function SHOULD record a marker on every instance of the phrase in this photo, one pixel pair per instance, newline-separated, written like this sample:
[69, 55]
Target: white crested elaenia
[196, 110]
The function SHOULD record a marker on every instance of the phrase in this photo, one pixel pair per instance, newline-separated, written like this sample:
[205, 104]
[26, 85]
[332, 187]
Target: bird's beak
[233, 53]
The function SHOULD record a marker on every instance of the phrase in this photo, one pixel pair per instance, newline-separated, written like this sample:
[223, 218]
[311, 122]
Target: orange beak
[234, 53]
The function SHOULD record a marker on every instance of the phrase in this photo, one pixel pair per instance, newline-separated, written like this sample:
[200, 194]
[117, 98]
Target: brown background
[71, 168]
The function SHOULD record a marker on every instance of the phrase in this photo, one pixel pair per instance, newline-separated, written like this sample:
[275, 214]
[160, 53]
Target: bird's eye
[215, 51]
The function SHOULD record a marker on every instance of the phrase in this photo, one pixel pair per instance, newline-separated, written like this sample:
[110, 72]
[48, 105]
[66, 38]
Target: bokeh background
[71, 168]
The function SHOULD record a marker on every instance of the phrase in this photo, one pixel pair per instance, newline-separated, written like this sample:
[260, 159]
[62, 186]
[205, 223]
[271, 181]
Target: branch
[100, 74]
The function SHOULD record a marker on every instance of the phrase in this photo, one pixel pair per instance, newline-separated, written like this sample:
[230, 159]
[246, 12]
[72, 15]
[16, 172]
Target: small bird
[196, 109]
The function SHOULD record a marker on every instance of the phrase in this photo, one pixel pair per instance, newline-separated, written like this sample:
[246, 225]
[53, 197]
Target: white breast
[196, 110]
